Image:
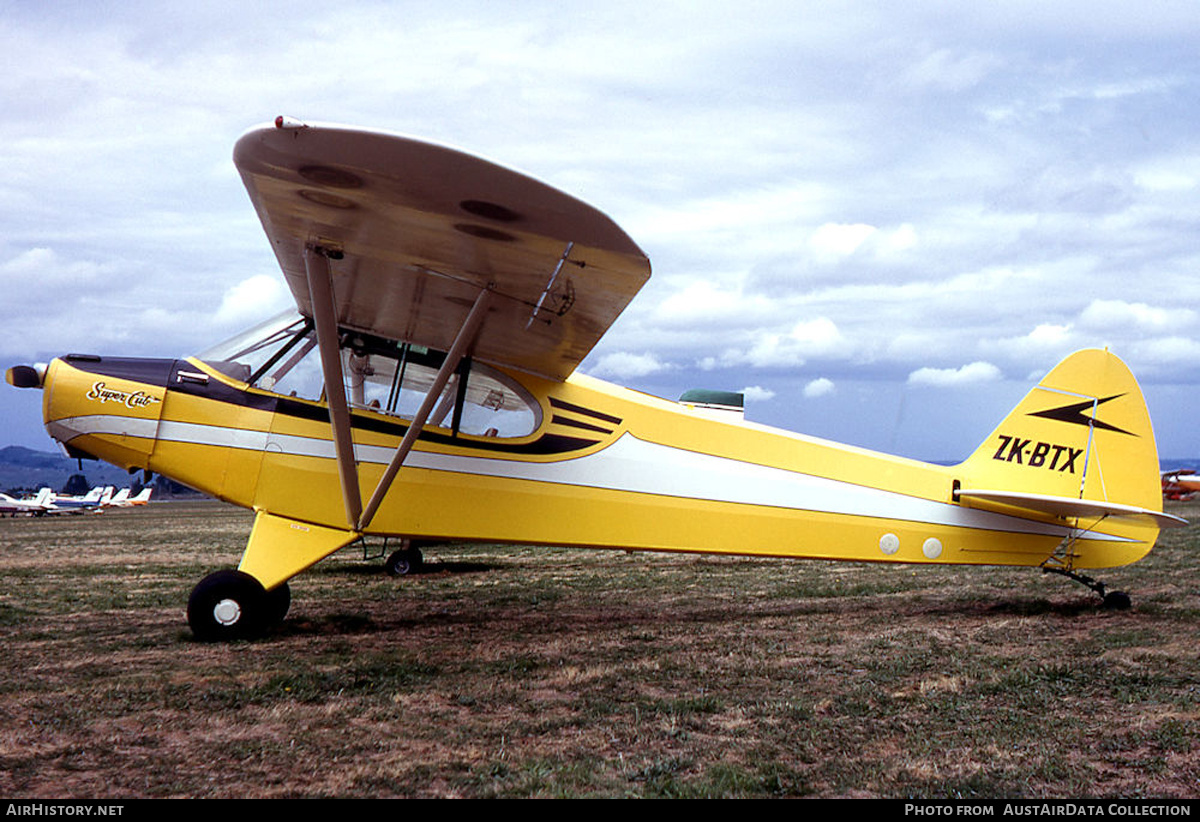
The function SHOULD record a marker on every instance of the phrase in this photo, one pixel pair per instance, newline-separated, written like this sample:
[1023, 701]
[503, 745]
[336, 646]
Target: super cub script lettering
[136, 399]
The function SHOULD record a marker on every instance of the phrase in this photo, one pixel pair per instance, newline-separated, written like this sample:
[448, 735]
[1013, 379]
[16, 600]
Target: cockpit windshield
[382, 376]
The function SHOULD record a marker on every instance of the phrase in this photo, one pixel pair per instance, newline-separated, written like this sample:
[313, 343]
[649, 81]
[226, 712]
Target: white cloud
[834, 240]
[1045, 339]
[252, 300]
[756, 393]
[1106, 315]
[950, 70]
[819, 387]
[1048, 334]
[1168, 351]
[703, 302]
[622, 364]
[807, 338]
[976, 372]
[36, 268]
[1169, 174]
[30, 262]
[896, 240]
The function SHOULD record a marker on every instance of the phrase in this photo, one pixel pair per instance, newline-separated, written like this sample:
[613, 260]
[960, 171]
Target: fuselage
[10, 505]
[601, 466]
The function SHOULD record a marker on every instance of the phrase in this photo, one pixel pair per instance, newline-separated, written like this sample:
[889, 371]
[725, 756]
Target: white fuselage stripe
[629, 465]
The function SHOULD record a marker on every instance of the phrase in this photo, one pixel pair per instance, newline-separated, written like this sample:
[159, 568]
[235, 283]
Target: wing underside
[415, 231]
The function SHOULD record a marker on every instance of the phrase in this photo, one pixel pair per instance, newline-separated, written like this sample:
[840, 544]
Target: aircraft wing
[418, 230]
[1068, 506]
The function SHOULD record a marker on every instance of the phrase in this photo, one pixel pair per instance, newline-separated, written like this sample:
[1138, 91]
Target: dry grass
[512, 671]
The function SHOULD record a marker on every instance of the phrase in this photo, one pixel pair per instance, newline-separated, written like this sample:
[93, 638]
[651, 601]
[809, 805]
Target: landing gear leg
[228, 605]
[1113, 600]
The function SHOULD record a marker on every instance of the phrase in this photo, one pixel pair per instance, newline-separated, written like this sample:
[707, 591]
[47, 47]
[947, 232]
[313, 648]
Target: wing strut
[462, 344]
[320, 292]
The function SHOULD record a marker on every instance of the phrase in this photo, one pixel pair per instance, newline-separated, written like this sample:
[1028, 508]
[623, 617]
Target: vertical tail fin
[1079, 446]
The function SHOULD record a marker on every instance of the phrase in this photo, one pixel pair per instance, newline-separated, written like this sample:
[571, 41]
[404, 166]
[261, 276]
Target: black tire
[404, 562]
[228, 605]
[1117, 601]
[278, 600]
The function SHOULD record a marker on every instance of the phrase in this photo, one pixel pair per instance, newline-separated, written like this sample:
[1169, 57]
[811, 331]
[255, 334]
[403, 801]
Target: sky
[883, 222]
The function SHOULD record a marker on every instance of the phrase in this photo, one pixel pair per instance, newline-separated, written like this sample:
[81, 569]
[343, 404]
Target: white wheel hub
[227, 612]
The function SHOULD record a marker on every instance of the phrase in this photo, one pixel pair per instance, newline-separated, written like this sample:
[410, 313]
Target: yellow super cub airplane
[426, 389]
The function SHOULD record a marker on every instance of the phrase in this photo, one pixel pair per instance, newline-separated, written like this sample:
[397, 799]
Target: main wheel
[404, 562]
[228, 605]
[278, 600]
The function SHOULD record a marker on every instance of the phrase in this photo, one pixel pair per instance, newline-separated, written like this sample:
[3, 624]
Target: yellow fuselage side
[606, 467]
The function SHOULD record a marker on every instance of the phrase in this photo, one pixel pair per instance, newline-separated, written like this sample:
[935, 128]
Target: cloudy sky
[881, 220]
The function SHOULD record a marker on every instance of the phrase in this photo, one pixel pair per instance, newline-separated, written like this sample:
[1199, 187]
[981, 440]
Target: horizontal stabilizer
[1068, 506]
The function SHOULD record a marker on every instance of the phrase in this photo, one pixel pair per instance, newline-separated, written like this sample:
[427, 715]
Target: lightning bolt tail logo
[1074, 414]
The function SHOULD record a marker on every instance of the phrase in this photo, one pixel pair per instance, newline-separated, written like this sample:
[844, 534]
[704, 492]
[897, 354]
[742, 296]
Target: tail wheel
[404, 562]
[1117, 601]
[228, 605]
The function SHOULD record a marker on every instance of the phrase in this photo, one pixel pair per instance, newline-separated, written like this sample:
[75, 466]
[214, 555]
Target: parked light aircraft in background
[48, 502]
[1181, 484]
[36, 505]
[426, 388]
[118, 500]
[93, 500]
[121, 499]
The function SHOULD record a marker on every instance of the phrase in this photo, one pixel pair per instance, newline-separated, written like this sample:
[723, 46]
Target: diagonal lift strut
[320, 288]
[462, 345]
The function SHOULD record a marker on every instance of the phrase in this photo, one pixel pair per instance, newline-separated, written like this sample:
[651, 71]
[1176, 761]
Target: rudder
[1083, 432]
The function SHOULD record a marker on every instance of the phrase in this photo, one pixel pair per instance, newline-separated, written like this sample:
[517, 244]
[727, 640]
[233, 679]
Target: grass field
[508, 671]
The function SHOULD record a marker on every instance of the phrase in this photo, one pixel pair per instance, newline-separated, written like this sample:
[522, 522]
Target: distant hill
[26, 469]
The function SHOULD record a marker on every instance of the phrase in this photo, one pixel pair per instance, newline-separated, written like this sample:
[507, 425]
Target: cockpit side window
[393, 378]
[382, 376]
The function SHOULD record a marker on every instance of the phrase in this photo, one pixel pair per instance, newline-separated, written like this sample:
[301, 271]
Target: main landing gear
[407, 560]
[229, 604]
[1113, 600]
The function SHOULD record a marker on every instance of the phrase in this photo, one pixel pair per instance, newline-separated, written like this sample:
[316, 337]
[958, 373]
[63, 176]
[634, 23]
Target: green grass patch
[513, 671]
